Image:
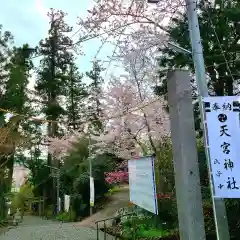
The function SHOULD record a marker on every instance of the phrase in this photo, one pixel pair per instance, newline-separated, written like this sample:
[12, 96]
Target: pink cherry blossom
[115, 17]
[134, 119]
[141, 119]
[130, 22]
[60, 147]
[118, 177]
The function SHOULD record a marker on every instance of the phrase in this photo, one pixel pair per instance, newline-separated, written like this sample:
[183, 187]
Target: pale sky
[28, 22]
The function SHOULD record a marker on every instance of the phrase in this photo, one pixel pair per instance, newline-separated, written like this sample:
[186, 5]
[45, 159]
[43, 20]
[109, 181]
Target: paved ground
[34, 228]
[2, 231]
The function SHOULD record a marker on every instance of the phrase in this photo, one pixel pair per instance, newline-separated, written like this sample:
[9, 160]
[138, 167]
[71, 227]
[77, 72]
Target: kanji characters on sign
[223, 129]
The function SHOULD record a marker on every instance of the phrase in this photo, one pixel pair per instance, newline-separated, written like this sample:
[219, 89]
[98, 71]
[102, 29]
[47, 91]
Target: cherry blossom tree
[121, 17]
[129, 21]
[137, 120]
[141, 119]
[60, 147]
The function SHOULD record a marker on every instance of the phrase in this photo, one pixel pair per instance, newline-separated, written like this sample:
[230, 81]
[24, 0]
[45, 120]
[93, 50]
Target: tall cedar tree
[15, 97]
[76, 95]
[224, 17]
[95, 92]
[5, 40]
[16, 66]
[51, 82]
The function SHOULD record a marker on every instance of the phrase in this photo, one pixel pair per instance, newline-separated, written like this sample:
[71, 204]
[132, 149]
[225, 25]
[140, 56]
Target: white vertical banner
[92, 191]
[66, 203]
[223, 131]
[59, 204]
[142, 184]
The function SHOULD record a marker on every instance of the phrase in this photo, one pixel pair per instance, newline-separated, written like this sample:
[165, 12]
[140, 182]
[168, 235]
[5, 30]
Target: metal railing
[116, 218]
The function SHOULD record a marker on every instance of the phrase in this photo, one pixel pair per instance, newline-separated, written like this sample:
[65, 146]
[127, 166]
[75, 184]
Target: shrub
[113, 190]
[142, 223]
[20, 198]
[117, 177]
[49, 211]
[69, 216]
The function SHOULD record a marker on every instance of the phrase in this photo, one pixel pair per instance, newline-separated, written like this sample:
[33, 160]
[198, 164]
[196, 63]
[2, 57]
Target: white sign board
[142, 183]
[223, 131]
[91, 191]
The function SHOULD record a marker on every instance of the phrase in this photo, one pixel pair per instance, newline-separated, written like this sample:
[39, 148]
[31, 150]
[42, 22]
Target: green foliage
[57, 78]
[15, 66]
[75, 176]
[38, 173]
[113, 190]
[48, 212]
[19, 67]
[95, 89]
[56, 56]
[233, 210]
[164, 167]
[203, 169]
[224, 16]
[52, 80]
[168, 207]
[153, 233]
[6, 40]
[76, 93]
[69, 216]
[142, 223]
[20, 198]
[74, 179]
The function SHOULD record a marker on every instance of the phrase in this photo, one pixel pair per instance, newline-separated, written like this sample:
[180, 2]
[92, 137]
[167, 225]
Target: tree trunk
[229, 86]
[10, 167]
[3, 210]
[72, 100]
[144, 114]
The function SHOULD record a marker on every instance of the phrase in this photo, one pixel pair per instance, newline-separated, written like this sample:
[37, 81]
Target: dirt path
[118, 200]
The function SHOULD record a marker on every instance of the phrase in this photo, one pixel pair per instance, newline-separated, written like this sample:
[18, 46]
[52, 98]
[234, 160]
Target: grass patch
[153, 233]
[113, 190]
